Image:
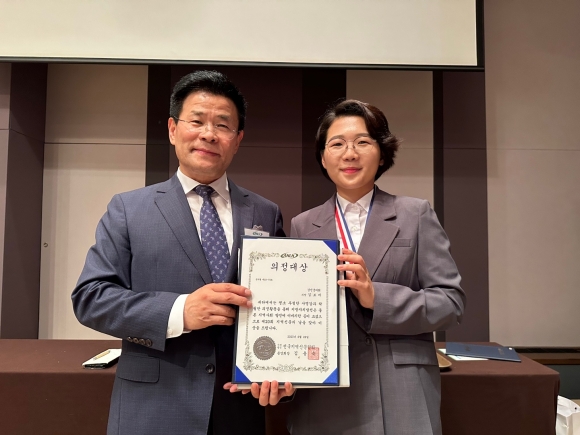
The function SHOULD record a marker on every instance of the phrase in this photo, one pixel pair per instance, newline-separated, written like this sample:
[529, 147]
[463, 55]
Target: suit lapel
[324, 225]
[243, 217]
[174, 207]
[379, 233]
[372, 248]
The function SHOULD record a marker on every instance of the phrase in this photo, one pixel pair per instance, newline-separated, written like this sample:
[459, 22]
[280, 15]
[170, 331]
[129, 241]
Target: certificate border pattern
[249, 364]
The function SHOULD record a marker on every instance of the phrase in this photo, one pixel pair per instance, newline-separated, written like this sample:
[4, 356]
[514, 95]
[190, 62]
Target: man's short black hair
[212, 82]
[377, 126]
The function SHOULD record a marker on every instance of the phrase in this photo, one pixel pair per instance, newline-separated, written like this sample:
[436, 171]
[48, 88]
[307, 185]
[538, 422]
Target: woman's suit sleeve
[439, 301]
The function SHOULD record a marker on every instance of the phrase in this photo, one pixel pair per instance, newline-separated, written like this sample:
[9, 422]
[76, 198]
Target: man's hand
[268, 394]
[357, 278]
[208, 305]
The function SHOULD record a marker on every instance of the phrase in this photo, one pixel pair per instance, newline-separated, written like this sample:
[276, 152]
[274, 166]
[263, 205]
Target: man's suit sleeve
[103, 298]
[440, 301]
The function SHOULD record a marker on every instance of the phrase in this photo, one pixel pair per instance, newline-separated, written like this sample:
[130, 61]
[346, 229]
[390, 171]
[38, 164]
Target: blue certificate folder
[482, 351]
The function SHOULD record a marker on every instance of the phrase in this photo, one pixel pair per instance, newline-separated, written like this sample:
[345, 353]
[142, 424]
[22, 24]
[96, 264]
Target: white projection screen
[341, 32]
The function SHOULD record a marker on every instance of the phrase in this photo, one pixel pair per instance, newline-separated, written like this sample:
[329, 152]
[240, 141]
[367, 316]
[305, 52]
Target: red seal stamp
[313, 353]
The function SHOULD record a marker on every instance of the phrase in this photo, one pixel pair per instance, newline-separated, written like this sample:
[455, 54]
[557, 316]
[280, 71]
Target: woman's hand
[267, 394]
[357, 278]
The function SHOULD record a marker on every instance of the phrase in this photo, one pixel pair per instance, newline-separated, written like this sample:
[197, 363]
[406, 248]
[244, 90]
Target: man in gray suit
[160, 276]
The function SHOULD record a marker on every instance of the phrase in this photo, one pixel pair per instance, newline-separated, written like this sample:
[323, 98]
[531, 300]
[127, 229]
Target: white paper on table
[461, 358]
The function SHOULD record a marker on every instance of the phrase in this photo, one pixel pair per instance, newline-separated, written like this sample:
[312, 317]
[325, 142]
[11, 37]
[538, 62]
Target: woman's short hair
[377, 126]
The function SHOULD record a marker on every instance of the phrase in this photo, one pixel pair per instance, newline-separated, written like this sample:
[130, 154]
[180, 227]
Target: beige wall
[406, 98]
[533, 103]
[95, 147]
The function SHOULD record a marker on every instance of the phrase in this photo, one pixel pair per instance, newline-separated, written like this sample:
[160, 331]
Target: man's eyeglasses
[361, 145]
[220, 130]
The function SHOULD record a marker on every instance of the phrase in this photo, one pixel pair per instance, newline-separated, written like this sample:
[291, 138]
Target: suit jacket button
[130, 338]
[148, 343]
[210, 368]
[368, 341]
[142, 342]
[135, 340]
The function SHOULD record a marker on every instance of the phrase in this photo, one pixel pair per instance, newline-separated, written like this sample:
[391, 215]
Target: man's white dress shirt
[223, 205]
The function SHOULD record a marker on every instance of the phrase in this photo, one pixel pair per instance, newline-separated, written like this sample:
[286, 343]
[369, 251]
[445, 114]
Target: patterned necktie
[213, 236]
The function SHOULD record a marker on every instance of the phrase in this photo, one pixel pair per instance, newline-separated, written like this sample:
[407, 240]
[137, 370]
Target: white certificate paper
[291, 333]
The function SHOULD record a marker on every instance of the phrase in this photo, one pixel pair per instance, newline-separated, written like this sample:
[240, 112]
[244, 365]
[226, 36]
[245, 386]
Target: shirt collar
[220, 185]
[364, 202]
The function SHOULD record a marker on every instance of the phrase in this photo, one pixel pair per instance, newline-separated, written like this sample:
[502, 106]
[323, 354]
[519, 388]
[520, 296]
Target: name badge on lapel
[256, 231]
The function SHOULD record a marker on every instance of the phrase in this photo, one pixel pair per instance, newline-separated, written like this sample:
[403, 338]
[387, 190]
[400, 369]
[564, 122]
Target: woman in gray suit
[402, 285]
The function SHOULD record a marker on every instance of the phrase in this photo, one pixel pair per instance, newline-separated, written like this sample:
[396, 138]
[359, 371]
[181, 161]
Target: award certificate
[291, 333]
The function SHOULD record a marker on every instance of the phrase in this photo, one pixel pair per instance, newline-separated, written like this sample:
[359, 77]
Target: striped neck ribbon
[343, 227]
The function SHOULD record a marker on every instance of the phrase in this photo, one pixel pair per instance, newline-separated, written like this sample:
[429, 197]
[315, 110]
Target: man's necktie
[213, 237]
